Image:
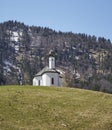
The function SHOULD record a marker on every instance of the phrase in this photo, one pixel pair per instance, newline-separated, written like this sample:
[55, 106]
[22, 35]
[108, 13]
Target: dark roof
[47, 70]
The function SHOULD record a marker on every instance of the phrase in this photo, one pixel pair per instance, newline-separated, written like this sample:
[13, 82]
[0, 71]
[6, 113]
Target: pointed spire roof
[51, 53]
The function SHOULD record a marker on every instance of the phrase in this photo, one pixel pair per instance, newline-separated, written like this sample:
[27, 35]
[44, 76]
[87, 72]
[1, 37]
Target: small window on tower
[52, 80]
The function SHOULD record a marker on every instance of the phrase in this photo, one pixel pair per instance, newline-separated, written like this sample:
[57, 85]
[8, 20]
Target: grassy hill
[52, 108]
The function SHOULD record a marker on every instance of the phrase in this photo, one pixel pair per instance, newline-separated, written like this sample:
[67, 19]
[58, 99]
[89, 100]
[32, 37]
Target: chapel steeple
[51, 59]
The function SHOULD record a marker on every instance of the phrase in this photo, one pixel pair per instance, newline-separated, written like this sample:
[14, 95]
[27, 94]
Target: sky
[92, 17]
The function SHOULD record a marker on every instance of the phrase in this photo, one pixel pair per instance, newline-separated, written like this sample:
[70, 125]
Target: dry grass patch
[52, 108]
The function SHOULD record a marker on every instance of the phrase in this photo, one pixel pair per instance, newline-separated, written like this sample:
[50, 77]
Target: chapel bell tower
[51, 60]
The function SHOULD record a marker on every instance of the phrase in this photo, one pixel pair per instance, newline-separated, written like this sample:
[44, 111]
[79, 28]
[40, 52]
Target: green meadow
[53, 108]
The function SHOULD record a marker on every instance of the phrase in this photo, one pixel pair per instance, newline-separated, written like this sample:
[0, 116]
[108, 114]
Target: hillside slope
[86, 60]
[49, 108]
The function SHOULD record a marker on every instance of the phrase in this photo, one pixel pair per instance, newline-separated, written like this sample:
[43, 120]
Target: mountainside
[86, 60]
[54, 108]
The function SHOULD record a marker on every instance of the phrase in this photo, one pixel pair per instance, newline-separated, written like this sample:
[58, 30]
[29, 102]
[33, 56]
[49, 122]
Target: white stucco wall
[51, 62]
[46, 78]
[37, 81]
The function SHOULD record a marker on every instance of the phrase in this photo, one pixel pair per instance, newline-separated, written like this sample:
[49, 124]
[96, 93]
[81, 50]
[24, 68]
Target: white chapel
[48, 76]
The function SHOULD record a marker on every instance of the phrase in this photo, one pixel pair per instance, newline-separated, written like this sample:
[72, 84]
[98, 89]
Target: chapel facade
[48, 76]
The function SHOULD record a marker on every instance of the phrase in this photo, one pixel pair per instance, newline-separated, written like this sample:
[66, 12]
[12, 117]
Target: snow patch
[6, 69]
[8, 66]
[7, 63]
[20, 33]
[90, 56]
[15, 36]
[16, 47]
[73, 48]
[77, 75]
[77, 57]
